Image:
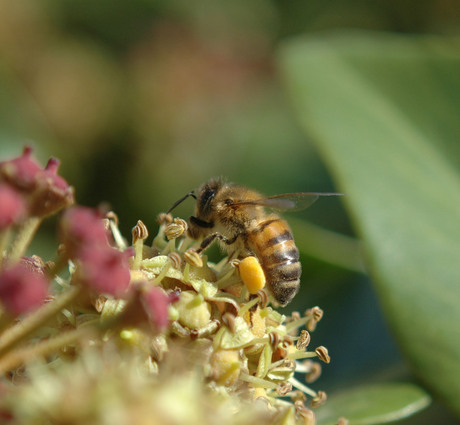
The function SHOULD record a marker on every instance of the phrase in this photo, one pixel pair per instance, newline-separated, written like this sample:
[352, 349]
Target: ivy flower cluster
[28, 194]
[117, 332]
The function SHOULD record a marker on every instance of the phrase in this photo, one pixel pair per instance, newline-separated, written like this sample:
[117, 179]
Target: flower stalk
[46, 347]
[23, 238]
[18, 332]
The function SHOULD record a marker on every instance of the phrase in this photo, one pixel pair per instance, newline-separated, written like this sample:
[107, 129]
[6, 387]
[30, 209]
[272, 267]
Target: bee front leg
[209, 239]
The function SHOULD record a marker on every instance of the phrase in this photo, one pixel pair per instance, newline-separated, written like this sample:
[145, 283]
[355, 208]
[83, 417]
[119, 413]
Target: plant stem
[297, 355]
[302, 387]
[4, 239]
[258, 382]
[117, 236]
[138, 248]
[245, 308]
[26, 354]
[297, 323]
[30, 323]
[23, 238]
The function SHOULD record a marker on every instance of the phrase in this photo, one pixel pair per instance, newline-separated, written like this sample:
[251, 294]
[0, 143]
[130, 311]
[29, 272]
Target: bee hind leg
[208, 240]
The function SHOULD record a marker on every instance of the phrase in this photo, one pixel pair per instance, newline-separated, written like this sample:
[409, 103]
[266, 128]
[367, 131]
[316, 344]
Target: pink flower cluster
[12, 206]
[101, 267]
[104, 269]
[155, 303]
[28, 190]
[22, 288]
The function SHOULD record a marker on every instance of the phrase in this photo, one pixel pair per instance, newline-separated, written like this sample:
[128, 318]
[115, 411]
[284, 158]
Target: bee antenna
[191, 193]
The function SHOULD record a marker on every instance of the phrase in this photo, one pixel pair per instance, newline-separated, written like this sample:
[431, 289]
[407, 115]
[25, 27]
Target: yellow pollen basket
[251, 274]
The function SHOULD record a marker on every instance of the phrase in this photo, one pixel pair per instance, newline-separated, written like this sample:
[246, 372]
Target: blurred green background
[143, 100]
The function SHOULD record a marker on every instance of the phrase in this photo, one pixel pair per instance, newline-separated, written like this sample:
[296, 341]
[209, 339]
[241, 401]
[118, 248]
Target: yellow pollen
[251, 274]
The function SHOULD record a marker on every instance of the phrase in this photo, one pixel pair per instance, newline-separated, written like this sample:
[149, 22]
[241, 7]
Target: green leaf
[374, 404]
[384, 112]
[340, 250]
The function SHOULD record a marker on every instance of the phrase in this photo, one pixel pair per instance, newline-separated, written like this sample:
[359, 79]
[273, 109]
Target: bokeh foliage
[396, 162]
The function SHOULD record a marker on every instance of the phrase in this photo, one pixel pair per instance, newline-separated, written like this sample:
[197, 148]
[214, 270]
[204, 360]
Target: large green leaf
[384, 112]
[374, 404]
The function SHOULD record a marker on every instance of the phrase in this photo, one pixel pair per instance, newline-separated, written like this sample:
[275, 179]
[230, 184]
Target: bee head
[205, 200]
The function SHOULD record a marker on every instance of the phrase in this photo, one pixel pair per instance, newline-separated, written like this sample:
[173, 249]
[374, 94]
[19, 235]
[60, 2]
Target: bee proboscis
[245, 223]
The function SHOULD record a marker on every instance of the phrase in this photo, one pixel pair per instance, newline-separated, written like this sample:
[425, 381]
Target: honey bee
[239, 218]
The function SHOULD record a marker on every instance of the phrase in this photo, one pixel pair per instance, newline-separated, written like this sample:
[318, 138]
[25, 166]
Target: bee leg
[209, 239]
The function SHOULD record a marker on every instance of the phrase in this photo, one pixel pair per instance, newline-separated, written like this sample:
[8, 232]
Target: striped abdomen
[273, 243]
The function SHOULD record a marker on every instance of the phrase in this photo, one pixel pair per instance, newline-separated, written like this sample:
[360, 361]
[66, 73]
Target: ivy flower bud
[21, 172]
[80, 227]
[13, 206]
[46, 191]
[21, 289]
[156, 303]
[104, 269]
[52, 192]
[34, 264]
[50, 172]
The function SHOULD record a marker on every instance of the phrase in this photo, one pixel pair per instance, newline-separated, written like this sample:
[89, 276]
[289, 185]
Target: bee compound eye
[206, 199]
[208, 195]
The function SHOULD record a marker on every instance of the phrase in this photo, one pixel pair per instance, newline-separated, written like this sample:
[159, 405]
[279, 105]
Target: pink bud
[22, 290]
[155, 303]
[52, 192]
[104, 269]
[45, 191]
[12, 206]
[34, 264]
[81, 227]
[50, 172]
[53, 166]
[21, 172]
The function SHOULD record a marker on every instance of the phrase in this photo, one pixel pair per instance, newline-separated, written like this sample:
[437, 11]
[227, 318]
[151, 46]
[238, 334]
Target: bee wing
[287, 201]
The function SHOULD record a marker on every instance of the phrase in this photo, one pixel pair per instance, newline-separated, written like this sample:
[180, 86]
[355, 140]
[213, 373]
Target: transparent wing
[287, 201]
